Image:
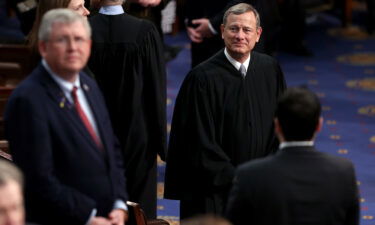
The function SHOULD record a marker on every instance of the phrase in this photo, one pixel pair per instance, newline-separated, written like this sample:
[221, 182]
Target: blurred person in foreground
[12, 210]
[206, 219]
[60, 134]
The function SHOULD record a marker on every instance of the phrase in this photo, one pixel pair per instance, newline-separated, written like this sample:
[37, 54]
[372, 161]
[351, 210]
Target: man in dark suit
[60, 134]
[297, 185]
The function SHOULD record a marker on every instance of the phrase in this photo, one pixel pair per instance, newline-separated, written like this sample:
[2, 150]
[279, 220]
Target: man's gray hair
[9, 172]
[64, 16]
[241, 9]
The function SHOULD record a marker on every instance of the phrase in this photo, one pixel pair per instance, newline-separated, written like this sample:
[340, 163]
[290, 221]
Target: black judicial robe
[128, 65]
[221, 120]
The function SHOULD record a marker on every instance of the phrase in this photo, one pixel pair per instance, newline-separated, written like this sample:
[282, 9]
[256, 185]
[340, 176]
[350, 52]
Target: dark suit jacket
[298, 185]
[66, 175]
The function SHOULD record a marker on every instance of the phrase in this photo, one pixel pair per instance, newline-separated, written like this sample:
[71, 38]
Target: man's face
[240, 34]
[67, 49]
[11, 204]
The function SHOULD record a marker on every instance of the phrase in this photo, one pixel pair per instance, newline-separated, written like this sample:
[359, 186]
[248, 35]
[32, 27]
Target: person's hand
[118, 217]
[97, 220]
[194, 35]
[202, 27]
[147, 3]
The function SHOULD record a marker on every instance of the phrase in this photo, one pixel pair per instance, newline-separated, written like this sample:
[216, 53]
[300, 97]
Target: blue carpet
[342, 73]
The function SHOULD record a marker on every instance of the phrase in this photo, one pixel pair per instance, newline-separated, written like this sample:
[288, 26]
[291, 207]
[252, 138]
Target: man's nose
[86, 12]
[240, 34]
[72, 44]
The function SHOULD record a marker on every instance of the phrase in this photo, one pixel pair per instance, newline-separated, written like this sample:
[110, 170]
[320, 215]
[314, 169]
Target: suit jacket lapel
[89, 93]
[67, 108]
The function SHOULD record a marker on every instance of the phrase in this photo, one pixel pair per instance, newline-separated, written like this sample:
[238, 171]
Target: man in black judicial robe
[222, 117]
[128, 64]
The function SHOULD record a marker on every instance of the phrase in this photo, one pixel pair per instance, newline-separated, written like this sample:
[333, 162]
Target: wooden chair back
[19, 54]
[138, 217]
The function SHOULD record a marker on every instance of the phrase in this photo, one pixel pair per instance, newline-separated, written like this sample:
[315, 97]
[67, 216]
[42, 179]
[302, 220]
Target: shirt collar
[111, 10]
[66, 86]
[296, 144]
[235, 63]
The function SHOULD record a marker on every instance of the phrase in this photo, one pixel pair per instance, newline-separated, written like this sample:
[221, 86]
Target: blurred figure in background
[203, 20]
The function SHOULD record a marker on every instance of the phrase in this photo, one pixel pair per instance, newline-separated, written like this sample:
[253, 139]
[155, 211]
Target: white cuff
[211, 28]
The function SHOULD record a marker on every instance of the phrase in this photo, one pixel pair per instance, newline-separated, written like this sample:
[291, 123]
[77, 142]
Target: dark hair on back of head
[298, 112]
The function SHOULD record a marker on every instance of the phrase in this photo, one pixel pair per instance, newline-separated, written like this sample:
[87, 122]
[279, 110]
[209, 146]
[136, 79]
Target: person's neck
[110, 3]
[71, 78]
[241, 58]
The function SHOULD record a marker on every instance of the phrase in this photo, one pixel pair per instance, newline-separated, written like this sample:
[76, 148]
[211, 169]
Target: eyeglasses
[66, 41]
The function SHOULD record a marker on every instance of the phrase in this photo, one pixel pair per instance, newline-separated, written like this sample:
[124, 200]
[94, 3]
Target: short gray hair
[9, 172]
[64, 16]
[241, 9]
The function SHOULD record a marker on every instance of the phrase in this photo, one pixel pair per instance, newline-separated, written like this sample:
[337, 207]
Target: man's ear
[259, 33]
[277, 126]
[319, 126]
[222, 26]
[42, 47]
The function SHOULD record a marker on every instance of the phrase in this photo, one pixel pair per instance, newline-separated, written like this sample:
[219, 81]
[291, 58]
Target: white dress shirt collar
[235, 63]
[66, 86]
[111, 10]
[296, 144]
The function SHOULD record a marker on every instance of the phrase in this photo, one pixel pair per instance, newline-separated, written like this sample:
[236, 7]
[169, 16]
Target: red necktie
[84, 118]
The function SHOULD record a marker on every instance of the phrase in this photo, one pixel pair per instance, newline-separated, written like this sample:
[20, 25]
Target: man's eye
[61, 40]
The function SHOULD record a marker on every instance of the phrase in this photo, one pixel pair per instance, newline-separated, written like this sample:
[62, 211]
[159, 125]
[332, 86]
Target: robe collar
[111, 10]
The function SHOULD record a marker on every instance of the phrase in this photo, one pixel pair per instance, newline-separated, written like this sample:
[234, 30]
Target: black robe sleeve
[154, 79]
[194, 149]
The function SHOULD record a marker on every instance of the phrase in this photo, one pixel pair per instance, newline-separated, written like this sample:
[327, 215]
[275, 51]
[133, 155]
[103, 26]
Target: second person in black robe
[127, 61]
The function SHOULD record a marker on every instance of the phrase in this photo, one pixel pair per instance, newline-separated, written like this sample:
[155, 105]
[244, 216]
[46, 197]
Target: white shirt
[286, 144]
[235, 63]
[111, 10]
